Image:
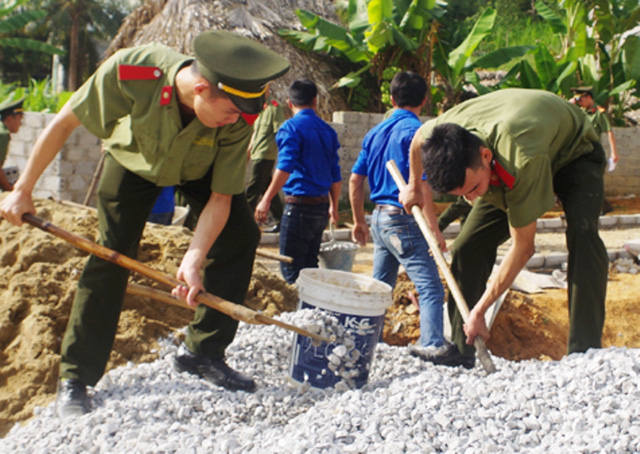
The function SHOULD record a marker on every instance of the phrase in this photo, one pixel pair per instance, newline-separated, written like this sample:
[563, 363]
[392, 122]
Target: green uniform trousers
[261, 173]
[124, 203]
[579, 186]
[458, 209]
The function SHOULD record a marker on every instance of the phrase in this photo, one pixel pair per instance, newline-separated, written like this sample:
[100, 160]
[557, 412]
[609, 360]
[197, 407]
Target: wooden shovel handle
[434, 246]
[233, 310]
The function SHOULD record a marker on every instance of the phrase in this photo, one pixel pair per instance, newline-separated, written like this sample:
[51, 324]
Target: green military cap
[239, 66]
[10, 106]
[588, 90]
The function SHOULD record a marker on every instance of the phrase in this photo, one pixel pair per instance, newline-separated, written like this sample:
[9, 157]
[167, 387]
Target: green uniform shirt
[4, 142]
[131, 103]
[599, 120]
[532, 134]
[265, 128]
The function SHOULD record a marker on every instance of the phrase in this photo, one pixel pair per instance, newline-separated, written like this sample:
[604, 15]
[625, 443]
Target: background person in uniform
[309, 173]
[166, 119]
[501, 152]
[263, 153]
[600, 122]
[11, 115]
[396, 235]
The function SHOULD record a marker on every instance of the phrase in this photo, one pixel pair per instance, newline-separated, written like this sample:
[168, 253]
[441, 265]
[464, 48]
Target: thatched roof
[176, 22]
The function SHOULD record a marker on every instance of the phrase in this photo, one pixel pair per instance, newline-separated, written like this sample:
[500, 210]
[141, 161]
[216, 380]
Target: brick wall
[69, 175]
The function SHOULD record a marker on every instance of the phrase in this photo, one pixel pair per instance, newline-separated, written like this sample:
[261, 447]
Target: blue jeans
[300, 237]
[398, 241]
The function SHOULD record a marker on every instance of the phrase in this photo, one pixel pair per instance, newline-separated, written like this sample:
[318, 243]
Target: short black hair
[466, 95]
[302, 92]
[446, 155]
[408, 89]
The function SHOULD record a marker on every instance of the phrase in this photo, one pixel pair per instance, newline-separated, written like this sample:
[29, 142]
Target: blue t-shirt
[308, 150]
[165, 203]
[389, 139]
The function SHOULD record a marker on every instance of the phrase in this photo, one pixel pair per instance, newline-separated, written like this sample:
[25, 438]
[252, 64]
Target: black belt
[390, 209]
[304, 200]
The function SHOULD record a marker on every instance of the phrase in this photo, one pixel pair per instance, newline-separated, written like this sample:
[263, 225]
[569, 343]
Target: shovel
[233, 310]
[478, 342]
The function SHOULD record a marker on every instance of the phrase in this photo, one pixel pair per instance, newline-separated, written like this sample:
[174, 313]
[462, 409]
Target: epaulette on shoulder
[274, 103]
[135, 72]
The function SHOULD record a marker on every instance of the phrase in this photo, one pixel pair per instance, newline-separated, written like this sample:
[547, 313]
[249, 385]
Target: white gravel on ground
[583, 403]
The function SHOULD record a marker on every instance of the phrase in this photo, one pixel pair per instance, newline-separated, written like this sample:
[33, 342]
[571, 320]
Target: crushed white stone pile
[583, 403]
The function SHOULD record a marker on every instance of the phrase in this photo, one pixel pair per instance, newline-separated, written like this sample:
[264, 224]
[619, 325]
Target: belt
[390, 209]
[304, 200]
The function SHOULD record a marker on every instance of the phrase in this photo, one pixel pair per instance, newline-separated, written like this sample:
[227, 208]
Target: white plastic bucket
[359, 302]
[337, 255]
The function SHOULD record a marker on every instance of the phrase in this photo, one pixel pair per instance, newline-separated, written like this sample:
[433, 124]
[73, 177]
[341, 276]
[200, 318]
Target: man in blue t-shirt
[309, 174]
[396, 236]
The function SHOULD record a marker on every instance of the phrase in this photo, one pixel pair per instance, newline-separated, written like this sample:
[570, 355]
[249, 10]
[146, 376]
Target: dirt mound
[37, 283]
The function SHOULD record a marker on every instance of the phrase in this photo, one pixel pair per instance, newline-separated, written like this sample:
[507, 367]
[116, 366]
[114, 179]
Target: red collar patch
[165, 95]
[250, 118]
[500, 175]
[133, 72]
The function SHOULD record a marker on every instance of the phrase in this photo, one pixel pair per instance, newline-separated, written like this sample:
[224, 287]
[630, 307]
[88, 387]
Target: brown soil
[37, 284]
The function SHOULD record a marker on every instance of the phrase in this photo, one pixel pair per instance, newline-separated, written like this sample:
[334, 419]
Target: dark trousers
[458, 209]
[300, 237]
[124, 203]
[261, 172]
[579, 186]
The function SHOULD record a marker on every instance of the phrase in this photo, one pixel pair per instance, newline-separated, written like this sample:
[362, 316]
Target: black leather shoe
[451, 357]
[214, 370]
[274, 229]
[72, 399]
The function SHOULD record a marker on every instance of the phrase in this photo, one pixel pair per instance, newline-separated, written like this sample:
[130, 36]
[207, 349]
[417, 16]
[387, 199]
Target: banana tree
[377, 34]
[596, 49]
[12, 20]
[456, 67]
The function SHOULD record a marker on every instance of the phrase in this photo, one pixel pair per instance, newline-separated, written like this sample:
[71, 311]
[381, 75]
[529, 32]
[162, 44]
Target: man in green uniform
[598, 116]
[500, 150]
[263, 153]
[166, 119]
[11, 115]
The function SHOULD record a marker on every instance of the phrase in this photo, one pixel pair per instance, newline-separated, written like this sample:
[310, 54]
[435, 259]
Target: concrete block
[453, 228]
[608, 221]
[555, 259]
[540, 225]
[50, 183]
[537, 261]
[627, 219]
[553, 223]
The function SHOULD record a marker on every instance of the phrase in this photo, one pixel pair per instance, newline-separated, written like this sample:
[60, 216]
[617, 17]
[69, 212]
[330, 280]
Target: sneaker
[72, 399]
[428, 351]
[274, 229]
[214, 370]
[450, 356]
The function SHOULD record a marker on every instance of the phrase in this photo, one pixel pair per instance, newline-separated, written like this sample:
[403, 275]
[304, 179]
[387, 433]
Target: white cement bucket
[359, 302]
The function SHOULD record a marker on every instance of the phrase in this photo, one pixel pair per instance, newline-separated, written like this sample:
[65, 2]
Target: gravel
[583, 403]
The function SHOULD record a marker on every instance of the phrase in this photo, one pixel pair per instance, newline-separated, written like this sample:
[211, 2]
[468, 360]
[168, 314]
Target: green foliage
[376, 34]
[12, 20]
[387, 75]
[454, 65]
[39, 96]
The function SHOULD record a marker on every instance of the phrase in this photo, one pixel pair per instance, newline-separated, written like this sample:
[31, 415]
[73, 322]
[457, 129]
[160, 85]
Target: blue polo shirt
[308, 150]
[389, 139]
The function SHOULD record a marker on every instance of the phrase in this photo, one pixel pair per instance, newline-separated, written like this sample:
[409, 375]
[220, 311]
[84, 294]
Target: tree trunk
[72, 83]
